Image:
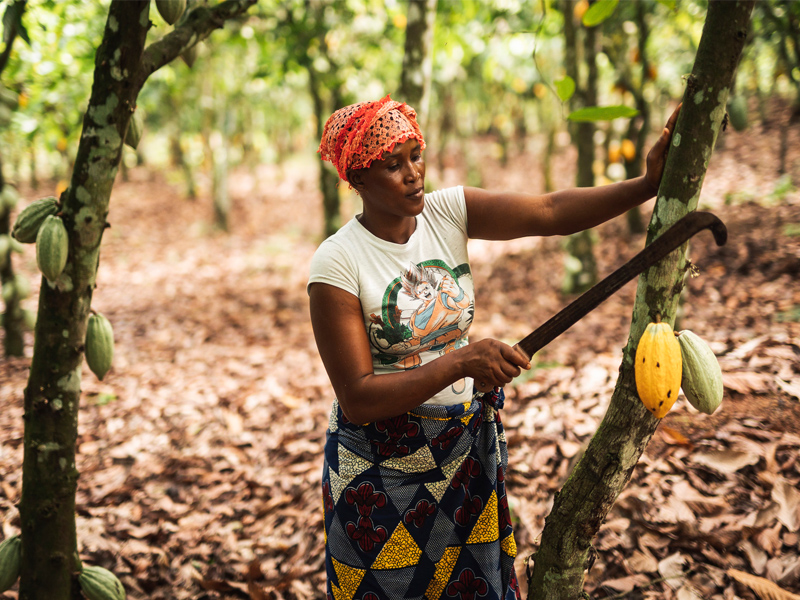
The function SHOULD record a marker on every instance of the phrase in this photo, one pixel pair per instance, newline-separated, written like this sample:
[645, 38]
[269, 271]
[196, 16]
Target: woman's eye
[394, 167]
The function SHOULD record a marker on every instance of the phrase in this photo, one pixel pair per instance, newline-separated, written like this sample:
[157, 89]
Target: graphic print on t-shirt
[423, 310]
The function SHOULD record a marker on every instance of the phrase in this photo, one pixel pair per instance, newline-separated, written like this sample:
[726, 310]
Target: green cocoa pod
[99, 345]
[52, 247]
[9, 562]
[5, 249]
[18, 286]
[98, 583]
[6, 114]
[31, 218]
[29, 319]
[171, 10]
[9, 98]
[10, 197]
[702, 377]
[190, 55]
[737, 112]
[135, 128]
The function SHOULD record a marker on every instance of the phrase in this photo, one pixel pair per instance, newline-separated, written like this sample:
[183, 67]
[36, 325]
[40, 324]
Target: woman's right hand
[492, 363]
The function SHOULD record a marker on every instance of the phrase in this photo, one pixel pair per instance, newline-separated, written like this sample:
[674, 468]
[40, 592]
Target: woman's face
[394, 184]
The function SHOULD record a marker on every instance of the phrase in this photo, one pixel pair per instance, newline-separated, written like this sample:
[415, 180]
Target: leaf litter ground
[200, 454]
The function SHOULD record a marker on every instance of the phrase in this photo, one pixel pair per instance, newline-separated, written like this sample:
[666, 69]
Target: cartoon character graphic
[424, 310]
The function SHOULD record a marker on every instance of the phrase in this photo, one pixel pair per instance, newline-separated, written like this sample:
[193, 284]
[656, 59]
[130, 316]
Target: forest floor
[201, 451]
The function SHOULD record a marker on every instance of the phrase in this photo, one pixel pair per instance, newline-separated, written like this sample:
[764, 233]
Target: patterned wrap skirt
[416, 507]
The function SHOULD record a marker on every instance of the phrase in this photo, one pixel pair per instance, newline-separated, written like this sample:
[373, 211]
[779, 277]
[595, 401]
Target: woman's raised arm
[510, 215]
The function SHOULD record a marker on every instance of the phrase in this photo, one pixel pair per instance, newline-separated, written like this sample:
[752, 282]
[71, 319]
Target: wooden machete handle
[670, 240]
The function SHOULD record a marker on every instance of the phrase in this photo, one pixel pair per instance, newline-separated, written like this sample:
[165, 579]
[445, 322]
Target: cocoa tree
[581, 506]
[415, 79]
[13, 318]
[581, 268]
[52, 396]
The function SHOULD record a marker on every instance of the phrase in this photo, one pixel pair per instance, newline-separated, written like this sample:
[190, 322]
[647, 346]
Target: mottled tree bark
[584, 502]
[52, 397]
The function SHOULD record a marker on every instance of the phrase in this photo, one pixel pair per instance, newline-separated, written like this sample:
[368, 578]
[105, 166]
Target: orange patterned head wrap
[358, 134]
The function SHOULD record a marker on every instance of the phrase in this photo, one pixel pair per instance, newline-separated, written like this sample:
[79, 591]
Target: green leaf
[565, 88]
[602, 113]
[670, 4]
[599, 12]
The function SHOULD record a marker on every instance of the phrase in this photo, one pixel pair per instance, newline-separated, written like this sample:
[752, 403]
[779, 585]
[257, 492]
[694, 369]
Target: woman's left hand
[657, 157]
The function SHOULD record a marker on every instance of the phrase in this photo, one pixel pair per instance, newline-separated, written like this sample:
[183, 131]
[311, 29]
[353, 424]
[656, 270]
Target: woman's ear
[355, 178]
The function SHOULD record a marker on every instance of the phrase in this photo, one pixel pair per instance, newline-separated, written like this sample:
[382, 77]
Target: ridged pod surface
[9, 562]
[658, 368]
[702, 376]
[135, 128]
[99, 345]
[171, 10]
[31, 218]
[98, 583]
[52, 247]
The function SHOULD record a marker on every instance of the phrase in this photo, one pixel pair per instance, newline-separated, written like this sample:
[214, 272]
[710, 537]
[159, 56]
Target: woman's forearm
[375, 397]
[577, 209]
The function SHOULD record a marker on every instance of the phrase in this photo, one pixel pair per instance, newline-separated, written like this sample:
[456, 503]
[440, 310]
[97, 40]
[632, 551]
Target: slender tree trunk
[13, 317]
[639, 127]
[34, 180]
[52, 396]
[583, 503]
[580, 246]
[328, 177]
[13, 343]
[415, 79]
[47, 507]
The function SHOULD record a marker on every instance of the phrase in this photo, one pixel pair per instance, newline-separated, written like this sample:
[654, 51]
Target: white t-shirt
[417, 298]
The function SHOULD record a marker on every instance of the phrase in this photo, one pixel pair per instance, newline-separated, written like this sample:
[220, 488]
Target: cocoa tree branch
[199, 23]
[19, 7]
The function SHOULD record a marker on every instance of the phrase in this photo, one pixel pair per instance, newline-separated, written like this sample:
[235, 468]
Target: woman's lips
[416, 195]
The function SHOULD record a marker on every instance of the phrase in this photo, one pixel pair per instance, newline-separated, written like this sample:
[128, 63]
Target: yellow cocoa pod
[628, 150]
[658, 368]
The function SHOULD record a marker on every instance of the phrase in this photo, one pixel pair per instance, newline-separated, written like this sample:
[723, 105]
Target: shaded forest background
[200, 452]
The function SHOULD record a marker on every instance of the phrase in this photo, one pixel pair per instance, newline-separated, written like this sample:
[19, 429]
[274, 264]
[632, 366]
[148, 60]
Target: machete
[670, 240]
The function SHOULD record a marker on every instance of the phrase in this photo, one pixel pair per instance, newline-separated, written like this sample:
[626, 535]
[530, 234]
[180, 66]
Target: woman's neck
[397, 230]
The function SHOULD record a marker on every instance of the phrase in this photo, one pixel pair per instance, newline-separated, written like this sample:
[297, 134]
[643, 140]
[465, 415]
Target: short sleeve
[450, 206]
[333, 265]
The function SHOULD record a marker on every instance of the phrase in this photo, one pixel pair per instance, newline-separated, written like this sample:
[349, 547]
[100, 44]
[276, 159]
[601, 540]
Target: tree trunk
[52, 396]
[13, 320]
[635, 167]
[328, 177]
[47, 507]
[415, 80]
[583, 503]
[13, 317]
[580, 246]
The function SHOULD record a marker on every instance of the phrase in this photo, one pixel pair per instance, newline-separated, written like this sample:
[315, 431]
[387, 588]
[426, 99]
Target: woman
[415, 460]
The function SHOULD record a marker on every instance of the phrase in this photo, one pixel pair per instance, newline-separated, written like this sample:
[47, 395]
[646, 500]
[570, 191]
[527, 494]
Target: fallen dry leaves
[200, 453]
